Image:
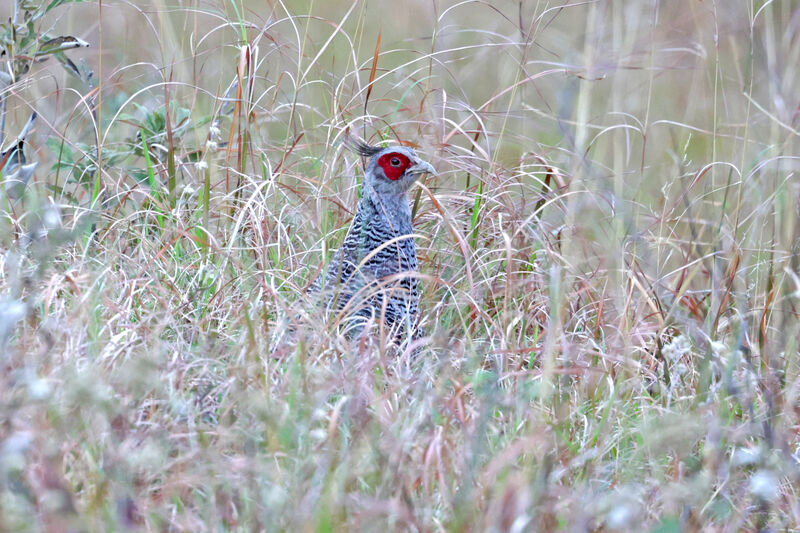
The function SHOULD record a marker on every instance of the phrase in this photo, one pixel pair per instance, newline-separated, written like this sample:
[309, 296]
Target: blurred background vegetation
[611, 252]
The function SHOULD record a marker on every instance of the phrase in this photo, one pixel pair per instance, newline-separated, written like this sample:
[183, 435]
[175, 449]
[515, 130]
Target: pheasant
[373, 274]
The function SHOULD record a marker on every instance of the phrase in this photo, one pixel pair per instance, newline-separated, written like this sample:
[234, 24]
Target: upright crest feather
[360, 147]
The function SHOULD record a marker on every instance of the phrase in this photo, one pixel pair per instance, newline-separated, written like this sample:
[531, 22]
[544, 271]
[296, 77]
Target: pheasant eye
[393, 165]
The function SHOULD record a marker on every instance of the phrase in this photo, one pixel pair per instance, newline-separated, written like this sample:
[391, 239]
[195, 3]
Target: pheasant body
[373, 274]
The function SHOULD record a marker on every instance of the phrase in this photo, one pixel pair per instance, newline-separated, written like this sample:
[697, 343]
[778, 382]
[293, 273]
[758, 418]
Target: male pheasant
[373, 274]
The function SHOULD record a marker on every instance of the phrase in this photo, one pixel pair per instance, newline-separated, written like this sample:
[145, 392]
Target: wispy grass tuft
[608, 259]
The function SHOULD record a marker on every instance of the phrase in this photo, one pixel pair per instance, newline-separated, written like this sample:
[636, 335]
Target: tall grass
[609, 265]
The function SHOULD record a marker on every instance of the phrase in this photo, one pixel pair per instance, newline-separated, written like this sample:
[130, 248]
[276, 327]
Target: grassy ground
[610, 256]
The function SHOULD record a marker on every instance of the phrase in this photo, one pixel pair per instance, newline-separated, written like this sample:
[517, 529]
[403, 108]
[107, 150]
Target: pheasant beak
[421, 167]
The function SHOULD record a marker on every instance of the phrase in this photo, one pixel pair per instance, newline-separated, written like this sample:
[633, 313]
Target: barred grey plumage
[373, 274]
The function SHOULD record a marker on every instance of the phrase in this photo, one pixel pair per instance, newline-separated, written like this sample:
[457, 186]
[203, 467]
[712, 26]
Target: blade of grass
[475, 210]
[371, 82]
[151, 175]
[171, 181]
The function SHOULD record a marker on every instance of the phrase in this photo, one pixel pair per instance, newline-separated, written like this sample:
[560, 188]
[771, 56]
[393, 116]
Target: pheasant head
[392, 170]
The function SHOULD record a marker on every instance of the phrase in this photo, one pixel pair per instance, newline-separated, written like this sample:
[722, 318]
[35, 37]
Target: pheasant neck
[394, 208]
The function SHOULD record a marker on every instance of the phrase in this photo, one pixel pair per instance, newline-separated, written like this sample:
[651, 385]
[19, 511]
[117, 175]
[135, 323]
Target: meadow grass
[609, 262]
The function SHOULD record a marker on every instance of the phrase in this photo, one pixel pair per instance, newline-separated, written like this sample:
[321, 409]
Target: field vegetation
[609, 256]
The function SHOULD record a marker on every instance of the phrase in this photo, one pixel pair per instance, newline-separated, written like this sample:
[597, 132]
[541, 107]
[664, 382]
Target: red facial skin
[393, 165]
